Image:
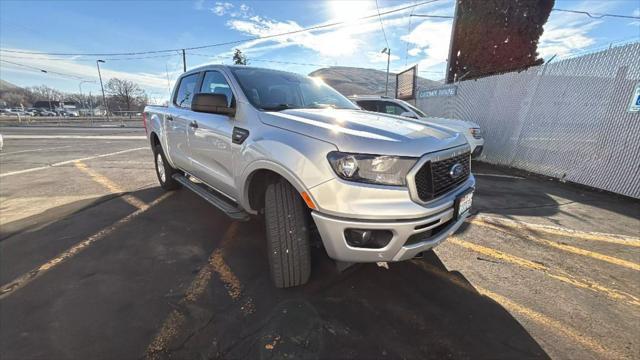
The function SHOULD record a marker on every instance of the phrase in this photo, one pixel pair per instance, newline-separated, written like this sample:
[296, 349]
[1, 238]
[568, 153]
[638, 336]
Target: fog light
[372, 239]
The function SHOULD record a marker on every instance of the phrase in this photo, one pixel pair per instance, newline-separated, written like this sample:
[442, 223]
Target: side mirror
[409, 114]
[212, 104]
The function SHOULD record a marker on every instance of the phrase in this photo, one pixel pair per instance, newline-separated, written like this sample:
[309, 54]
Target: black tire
[160, 161]
[287, 225]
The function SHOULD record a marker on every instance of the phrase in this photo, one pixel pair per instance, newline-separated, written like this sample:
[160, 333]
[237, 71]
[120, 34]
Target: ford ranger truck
[261, 142]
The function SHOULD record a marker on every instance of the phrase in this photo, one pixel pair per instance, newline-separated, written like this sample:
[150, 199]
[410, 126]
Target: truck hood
[366, 132]
[451, 124]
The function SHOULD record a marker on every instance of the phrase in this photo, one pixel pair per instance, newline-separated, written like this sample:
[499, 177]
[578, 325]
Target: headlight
[476, 133]
[374, 169]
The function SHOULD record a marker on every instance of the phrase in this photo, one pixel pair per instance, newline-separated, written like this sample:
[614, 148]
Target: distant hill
[358, 81]
[5, 85]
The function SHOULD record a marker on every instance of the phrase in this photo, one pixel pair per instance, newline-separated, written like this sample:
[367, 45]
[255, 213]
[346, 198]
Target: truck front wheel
[164, 170]
[287, 225]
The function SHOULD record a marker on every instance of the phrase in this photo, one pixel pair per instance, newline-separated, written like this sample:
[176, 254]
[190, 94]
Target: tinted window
[369, 105]
[278, 90]
[185, 91]
[391, 108]
[416, 110]
[215, 83]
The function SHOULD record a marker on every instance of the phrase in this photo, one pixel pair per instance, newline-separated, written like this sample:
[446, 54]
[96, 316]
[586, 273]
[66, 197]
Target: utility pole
[386, 86]
[104, 98]
[184, 62]
[453, 57]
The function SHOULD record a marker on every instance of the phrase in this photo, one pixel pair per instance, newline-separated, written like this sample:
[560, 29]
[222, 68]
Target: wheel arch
[259, 175]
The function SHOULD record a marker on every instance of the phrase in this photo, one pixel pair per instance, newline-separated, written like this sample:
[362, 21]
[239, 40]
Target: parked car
[251, 141]
[45, 112]
[388, 105]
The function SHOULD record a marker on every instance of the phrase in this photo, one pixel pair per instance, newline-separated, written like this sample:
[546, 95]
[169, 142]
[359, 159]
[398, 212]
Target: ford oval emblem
[456, 171]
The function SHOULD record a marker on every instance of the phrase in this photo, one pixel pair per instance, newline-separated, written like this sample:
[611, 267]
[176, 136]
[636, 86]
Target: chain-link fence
[568, 119]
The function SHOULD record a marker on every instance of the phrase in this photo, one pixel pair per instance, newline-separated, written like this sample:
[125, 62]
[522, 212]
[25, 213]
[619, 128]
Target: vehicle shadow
[415, 309]
[130, 282]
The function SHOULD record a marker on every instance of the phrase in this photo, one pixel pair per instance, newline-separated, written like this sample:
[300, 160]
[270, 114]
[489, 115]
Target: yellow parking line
[108, 184]
[175, 321]
[556, 230]
[513, 307]
[558, 275]
[23, 280]
[568, 248]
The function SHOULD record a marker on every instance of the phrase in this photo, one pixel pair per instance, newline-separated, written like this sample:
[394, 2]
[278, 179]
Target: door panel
[210, 139]
[176, 122]
[210, 145]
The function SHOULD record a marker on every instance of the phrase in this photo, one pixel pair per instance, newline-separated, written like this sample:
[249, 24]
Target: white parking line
[69, 162]
[89, 137]
[35, 150]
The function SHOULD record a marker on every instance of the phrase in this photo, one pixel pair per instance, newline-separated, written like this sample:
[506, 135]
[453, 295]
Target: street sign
[406, 83]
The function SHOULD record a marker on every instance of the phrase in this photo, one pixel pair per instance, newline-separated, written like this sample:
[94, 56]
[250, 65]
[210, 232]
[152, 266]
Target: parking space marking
[176, 319]
[34, 150]
[67, 162]
[84, 137]
[514, 307]
[560, 231]
[558, 275]
[567, 248]
[108, 184]
[23, 280]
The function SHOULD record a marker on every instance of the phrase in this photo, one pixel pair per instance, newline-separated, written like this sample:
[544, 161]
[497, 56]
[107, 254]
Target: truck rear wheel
[164, 170]
[287, 225]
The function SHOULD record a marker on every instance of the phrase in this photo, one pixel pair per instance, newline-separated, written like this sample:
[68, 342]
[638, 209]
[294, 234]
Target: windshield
[279, 90]
[415, 109]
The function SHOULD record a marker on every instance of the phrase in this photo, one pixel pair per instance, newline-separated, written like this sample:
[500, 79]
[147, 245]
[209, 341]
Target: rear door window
[186, 90]
[369, 105]
[391, 108]
[215, 83]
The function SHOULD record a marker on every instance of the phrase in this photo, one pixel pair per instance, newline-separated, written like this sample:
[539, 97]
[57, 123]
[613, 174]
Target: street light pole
[386, 86]
[104, 98]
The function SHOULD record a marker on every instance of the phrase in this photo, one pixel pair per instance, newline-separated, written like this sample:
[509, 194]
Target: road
[97, 262]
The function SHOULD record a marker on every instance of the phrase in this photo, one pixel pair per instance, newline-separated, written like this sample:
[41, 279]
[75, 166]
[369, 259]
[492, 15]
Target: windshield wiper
[279, 107]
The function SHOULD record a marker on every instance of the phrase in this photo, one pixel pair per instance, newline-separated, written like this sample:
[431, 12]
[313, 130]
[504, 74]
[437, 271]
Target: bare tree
[125, 94]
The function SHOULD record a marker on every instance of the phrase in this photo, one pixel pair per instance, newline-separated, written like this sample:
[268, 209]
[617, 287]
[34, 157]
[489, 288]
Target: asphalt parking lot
[96, 261]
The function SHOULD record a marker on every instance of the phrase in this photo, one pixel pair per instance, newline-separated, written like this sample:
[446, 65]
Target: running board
[213, 197]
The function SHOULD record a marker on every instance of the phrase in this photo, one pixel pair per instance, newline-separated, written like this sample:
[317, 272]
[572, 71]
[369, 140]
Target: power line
[382, 25]
[432, 16]
[312, 28]
[598, 15]
[42, 70]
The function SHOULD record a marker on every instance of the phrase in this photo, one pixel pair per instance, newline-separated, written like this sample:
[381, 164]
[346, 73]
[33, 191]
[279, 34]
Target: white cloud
[431, 38]
[86, 71]
[565, 36]
[221, 8]
[378, 57]
[415, 51]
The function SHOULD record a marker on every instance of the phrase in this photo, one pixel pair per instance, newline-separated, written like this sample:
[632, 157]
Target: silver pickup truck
[251, 141]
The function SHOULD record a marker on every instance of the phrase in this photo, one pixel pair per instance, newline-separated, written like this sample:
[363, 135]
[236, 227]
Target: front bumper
[436, 227]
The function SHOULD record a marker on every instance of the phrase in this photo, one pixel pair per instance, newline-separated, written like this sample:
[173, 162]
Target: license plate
[464, 202]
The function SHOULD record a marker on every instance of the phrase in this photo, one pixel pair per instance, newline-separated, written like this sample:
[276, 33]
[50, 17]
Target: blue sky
[132, 26]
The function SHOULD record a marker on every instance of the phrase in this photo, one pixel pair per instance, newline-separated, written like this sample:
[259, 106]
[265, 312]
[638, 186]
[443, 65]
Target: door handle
[193, 124]
[169, 117]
